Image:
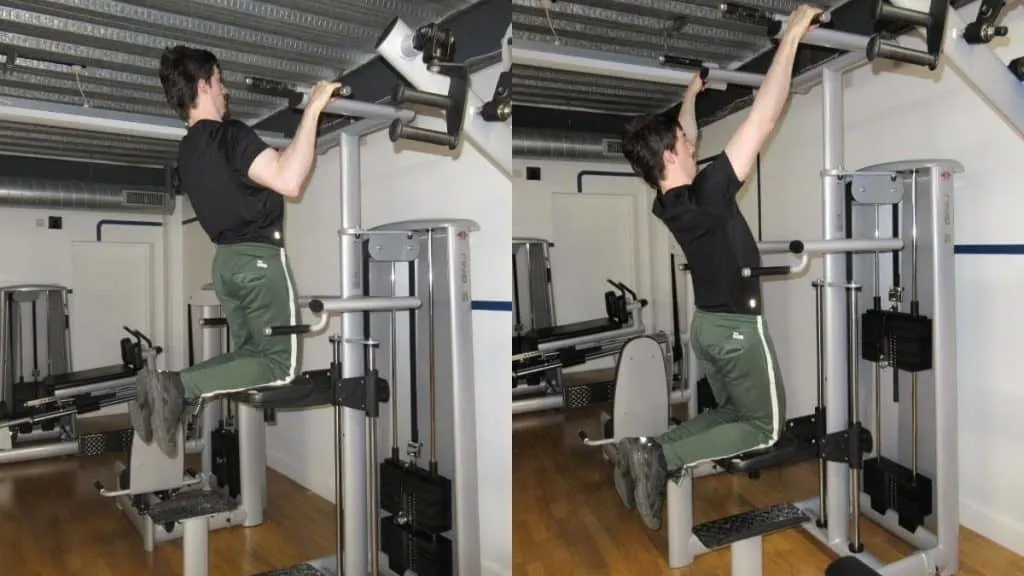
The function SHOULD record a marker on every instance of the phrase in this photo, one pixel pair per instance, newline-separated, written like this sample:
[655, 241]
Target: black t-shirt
[708, 225]
[213, 167]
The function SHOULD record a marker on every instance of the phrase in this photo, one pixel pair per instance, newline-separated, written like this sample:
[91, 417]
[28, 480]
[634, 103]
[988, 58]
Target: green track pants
[741, 366]
[254, 286]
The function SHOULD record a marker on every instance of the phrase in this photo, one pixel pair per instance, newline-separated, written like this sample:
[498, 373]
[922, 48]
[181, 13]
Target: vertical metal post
[853, 384]
[819, 287]
[353, 438]
[838, 504]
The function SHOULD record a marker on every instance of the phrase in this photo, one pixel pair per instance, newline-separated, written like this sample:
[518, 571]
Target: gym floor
[53, 521]
[569, 520]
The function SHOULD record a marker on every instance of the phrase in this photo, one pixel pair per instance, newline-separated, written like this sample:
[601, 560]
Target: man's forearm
[688, 113]
[774, 91]
[297, 159]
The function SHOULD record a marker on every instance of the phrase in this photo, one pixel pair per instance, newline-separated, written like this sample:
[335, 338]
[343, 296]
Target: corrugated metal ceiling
[646, 28]
[117, 45]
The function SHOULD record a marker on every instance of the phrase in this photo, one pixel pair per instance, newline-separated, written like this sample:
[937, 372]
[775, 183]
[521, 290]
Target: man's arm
[285, 172]
[746, 143]
[688, 109]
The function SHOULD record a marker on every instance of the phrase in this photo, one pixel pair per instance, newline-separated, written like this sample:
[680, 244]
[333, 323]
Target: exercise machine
[419, 263]
[351, 384]
[911, 200]
[230, 486]
[540, 355]
[542, 348]
[41, 396]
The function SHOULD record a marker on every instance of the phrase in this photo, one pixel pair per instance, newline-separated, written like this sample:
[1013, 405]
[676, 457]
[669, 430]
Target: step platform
[187, 505]
[849, 566]
[731, 529]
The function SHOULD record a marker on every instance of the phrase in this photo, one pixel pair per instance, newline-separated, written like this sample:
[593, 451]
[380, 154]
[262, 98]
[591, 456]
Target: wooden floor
[53, 521]
[568, 518]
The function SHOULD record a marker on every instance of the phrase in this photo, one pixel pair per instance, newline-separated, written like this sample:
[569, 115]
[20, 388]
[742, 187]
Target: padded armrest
[91, 376]
[794, 446]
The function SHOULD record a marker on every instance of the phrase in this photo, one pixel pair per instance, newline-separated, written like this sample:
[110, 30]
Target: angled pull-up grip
[933, 21]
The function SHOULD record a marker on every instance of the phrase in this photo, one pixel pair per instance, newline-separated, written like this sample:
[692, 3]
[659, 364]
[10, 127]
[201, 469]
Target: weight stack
[901, 339]
[892, 486]
[409, 549]
[423, 499]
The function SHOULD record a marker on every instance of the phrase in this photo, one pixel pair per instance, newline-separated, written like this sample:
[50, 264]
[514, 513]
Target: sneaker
[617, 455]
[649, 475]
[167, 397]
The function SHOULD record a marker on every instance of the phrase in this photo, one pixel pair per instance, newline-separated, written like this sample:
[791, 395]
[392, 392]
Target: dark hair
[181, 69]
[644, 141]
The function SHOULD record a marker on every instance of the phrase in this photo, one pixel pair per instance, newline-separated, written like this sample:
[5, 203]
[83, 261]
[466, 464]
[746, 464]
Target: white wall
[72, 257]
[896, 113]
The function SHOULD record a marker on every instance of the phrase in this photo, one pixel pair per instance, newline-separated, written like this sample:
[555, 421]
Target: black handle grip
[888, 13]
[404, 95]
[213, 322]
[768, 271]
[878, 48]
[287, 330]
[399, 131]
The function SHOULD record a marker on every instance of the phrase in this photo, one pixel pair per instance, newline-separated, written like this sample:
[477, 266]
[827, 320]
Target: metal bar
[107, 121]
[585, 61]
[833, 246]
[837, 505]
[365, 304]
[828, 38]
[984, 70]
[592, 339]
[360, 109]
[491, 138]
[353, 557]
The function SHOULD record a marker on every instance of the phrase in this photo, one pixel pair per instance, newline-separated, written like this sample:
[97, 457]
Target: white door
[595, 239]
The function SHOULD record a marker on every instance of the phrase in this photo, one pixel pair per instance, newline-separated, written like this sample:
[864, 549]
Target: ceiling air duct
[78, 195]
[565, 145]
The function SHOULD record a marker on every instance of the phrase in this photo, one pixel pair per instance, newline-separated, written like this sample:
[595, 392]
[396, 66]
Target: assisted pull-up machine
[909, 484]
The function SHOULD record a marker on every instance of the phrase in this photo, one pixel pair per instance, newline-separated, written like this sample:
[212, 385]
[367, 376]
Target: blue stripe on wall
[493, 305]
[989, 249]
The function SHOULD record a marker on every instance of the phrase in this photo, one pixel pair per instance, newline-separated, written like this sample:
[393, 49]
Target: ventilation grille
[139, 198]
[612, 147]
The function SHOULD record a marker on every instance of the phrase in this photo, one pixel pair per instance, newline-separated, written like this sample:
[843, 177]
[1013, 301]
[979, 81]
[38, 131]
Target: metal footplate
[186, 505]
[297, 570]
[731, 529]
[849, 566]
[111, 442]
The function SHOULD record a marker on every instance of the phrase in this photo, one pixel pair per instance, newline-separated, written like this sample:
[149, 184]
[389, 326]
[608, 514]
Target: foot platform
[731, 529]
[849, 566]
[187, 505]
[297, 570]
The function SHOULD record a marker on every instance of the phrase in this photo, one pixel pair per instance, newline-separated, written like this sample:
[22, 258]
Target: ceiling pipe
[566, 145]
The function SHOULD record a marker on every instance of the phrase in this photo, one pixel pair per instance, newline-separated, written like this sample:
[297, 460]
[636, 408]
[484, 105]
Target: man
[729, 336]
[237, 185]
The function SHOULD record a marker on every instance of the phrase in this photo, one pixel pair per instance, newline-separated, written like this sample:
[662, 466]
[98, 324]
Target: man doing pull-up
[237, 185]
[728, 331]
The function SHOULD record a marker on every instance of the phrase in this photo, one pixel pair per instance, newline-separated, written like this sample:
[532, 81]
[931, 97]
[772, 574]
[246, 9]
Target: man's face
[682, 158]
